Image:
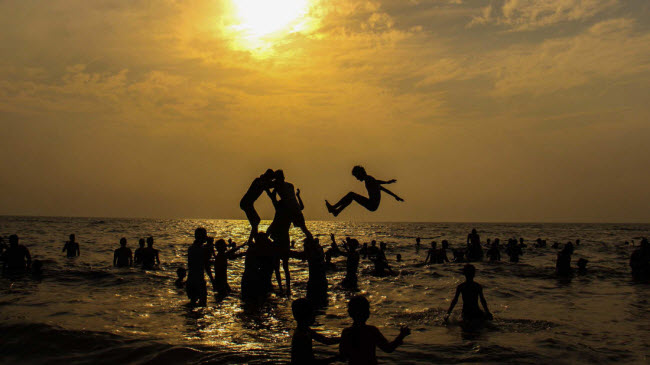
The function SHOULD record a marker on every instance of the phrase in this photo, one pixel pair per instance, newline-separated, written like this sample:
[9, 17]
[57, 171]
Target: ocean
[84, 311]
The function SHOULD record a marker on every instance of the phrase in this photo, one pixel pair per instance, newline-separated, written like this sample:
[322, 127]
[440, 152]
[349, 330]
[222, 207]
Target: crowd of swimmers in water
[268, 253]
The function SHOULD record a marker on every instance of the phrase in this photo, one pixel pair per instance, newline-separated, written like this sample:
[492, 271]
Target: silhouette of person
[513, 251]
[373, 250]
[351, 265]
[198, 264]
[494, 253]
[432, 254]
[137, 255]
[317, 281]
[279, 233]
[398, 258]
[640, 261]
[16, 257]
[301, 342]
[37, 269]
[582, 266]
[382, 268]
[371, 202]
[290, 201]
[359, 342]
[563, 263]
[150, 257]
[220, 284]
[471, 292]
[417, 244]
[122, 256]
[180, 280]
[474, 249]
[72, 247]
[442, 253]
[247, 203]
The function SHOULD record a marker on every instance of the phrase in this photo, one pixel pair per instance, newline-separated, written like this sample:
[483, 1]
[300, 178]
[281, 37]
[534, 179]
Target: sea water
[84, 311]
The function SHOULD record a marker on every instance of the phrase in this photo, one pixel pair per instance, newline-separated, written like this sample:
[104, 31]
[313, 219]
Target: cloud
[524, 15]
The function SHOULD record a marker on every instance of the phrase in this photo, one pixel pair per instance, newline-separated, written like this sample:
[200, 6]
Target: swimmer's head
[72, 237]
[180, 272]
[359, 172]
[644, 243]
[278, 175]
[445, 244]
[141, 242]
[469, 271]
[221, 245]
[353, 244]
[150, 241]
[582, 263]
[268, 174]
[200, 234]
[373, 242]
[13, 240]
[359, 309]
[434, 244]
[302, 311]
[382, 245]
[474, 231]
[123, 242]
[398, 257]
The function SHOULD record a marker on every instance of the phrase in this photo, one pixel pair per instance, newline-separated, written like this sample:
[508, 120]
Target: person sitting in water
[640, 261]
[471, 292]
[582, 266]
[372, 251]
[16, 258]
[374, 188]
[150, 256]
[72, 247]
[494, 253]
[563, 263]
[220, 284]
[122, 256]
[432, 254]
[301, 341]
[180, 280]
[198, 264]
[137, 255]
[247, 203]
[351, 266]
[359, 342]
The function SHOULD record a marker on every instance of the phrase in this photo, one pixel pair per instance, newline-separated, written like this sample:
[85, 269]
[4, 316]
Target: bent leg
[354, 197]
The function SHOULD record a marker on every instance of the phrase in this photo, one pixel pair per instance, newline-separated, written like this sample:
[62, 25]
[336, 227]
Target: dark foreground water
[85, 311]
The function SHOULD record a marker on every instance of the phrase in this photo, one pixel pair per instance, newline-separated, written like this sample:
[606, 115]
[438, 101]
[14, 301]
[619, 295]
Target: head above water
[434, 244]
[359, 309]
[150, 241]
[200, 234]
[382, 245]
[13, 240]
[141, 242]
[359, 172]
[221, 245]
[474, 231]
[72, 237]
[123, 242]
[181, 272]
[353, 244]
[302, 311]
[469, 271]
[445, 244]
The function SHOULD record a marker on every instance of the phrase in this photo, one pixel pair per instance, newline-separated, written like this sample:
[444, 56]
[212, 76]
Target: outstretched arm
[64, 246]
[382, 182]
[324, 339]
[386, 346]
[392, 194]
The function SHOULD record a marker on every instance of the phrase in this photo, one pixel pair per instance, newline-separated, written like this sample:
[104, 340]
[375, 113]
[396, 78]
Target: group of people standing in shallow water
[266, 253]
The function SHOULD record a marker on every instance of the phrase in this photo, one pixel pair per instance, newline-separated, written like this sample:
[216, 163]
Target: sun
[261, 18]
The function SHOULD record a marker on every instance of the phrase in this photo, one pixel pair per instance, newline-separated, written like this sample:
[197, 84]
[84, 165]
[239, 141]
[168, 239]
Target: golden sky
[505, 110]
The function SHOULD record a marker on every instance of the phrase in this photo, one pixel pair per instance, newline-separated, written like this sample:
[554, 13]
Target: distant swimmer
[302, 351]
[150, 257]
[432, 254]
[640, 261]
[582, 266]
[247, 203]
[471, 292]
[180, 277]
[72, 247]
[417, 244]
[351, 265]
[514, 251]
[494, 254]
[122, 256]
[137, 255]
[359, 342]
[16, 257]
[220, 283]
[371, 202]
[563, 263]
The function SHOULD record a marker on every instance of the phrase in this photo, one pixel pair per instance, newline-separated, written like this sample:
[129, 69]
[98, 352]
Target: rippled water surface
[85, 311]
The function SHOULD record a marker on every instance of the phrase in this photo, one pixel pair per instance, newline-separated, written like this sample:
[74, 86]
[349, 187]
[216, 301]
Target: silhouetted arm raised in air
[391, 194]
[389, 347]
[302, 206]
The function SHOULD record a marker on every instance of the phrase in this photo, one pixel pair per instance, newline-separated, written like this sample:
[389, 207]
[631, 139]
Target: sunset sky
[508, 110]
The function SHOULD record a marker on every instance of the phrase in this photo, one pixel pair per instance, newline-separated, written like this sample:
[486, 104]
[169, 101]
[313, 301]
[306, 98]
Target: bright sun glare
[261, 18]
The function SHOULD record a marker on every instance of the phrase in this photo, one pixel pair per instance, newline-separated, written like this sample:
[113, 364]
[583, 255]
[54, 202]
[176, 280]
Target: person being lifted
[253, 193]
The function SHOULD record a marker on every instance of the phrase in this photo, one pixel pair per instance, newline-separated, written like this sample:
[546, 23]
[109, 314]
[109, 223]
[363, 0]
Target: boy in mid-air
[301, 342]
[359, 342]
[472, 292]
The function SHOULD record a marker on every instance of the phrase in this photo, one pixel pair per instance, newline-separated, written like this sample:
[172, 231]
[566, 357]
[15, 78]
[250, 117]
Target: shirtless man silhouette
[374, 188]
[247, 202]
[471, 292]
